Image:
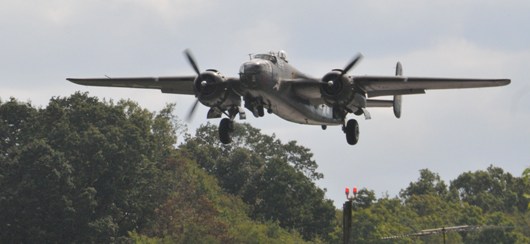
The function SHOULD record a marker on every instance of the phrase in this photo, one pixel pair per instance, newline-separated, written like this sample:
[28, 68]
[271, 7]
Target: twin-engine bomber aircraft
[269, 82]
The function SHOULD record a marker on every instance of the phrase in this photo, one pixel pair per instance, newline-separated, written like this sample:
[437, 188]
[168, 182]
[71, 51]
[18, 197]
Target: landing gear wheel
[225, 129]
[352, 132]
[261, 111]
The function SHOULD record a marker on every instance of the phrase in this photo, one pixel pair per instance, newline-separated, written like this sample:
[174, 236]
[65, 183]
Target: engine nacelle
[337, 90]
[212, 90]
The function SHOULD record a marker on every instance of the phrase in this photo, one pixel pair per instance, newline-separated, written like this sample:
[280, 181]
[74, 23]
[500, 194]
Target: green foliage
[80, 169]
[273, 178]
[198, 211]
[364, 199]
[526, 185]
[428, 183]
[85, 170]
[427, 204]
[492, 190]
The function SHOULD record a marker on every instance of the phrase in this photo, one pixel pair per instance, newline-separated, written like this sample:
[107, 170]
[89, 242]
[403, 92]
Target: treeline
[492, 200]
[84, 170]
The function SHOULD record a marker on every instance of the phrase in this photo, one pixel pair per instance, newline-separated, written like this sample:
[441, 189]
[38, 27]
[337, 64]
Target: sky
[448, 131]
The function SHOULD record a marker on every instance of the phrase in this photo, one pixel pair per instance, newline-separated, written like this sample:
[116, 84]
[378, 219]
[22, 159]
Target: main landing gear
[352, 131]
[226, 127]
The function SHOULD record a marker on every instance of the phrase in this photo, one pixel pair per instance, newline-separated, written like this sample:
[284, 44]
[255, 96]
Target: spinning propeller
[348, 67]
[191, 60]
[352, 64]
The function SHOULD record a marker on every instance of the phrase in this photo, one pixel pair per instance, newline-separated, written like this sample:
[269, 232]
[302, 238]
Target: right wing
[175, 84]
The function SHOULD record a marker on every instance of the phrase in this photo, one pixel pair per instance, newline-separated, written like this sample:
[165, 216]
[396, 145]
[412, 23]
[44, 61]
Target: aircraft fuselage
[262, 78]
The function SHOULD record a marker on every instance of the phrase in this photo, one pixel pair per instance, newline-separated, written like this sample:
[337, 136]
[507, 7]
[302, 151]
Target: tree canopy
[86, 170]
[83, 170]
[492, 200]
[275, 179]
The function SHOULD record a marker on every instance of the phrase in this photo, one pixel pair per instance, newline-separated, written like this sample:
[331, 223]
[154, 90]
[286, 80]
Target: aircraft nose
[249, 73]
[251, 68]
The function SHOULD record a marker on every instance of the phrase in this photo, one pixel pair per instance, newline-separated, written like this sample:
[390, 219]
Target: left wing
[375, 86]
[175, 84]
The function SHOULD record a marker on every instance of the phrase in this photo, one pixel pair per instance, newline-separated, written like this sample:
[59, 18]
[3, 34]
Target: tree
[428, 183]
[198, 211]
[85, 170]
[526, 180]
[80, 170]
[274, 178]
[500, 231]
[492, 190]
[426, 204]
[386, 217]
[364, 199]
[36, 195]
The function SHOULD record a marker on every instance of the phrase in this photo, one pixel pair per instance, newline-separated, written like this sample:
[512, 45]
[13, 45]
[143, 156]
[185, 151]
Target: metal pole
[346, 221]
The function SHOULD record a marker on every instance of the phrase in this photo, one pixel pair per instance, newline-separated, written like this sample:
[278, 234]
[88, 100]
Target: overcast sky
[449, 132]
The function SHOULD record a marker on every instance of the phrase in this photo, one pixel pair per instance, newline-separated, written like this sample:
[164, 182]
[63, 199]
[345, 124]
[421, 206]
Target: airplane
[269, 82]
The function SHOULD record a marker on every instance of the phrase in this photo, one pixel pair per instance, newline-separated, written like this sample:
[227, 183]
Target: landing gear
[352, 131]
[258, 111]
[226, 127]
[255, 104]
[358, 112]
[261, 111]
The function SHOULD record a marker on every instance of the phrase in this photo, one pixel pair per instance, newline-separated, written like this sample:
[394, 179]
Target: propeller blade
[192, 110]
[352, 63]
[188, 54]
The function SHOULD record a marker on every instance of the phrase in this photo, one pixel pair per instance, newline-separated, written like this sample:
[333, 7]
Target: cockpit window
[266, 57]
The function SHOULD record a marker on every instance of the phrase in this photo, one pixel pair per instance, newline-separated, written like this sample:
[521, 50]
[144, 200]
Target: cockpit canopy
[272, 56]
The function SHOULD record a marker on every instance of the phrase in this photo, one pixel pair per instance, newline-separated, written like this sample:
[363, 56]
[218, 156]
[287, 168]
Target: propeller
[193, 64]
[352, 63]
[348, 67]
[192, 110]
[188, 54]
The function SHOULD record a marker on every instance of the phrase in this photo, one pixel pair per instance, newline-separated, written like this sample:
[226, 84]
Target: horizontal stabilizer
[374, 103]
[396, 104]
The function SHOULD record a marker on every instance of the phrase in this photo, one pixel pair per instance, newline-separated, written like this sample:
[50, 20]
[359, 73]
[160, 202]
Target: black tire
[225, 129]
[352, 132]
[261, 111]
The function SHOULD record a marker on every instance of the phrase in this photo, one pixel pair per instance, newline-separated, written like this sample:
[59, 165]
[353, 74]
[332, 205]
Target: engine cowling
[211, 88]
[337, 89]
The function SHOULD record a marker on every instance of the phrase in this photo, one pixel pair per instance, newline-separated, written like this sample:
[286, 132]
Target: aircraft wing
[375, 86]
[401, 85]
[176, 84]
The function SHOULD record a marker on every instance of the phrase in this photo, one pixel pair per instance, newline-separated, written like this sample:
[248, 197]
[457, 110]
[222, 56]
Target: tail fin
[397, 98]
